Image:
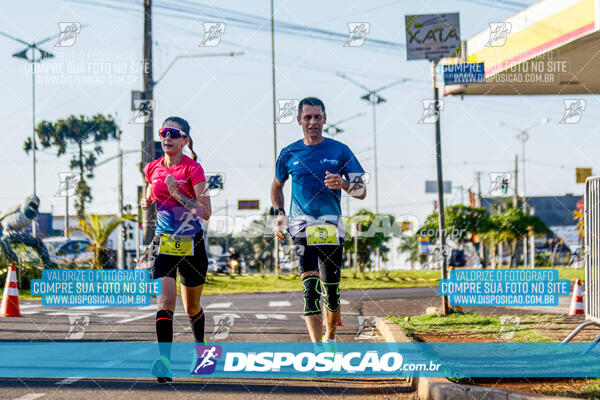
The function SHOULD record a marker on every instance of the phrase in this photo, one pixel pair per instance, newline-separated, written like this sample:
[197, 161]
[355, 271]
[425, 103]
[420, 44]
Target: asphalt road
[259, 317]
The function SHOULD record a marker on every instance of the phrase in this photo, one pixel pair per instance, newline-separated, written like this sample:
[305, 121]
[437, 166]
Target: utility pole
[148, 146]
[121, 239]
[478, 177]
[276, 241]
[442, 216]
[67, 214]
[516, 193]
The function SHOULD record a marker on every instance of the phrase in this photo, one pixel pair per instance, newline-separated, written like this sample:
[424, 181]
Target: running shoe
[161, 369]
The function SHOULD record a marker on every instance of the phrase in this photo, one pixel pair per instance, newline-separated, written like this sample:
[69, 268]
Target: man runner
[320, 167]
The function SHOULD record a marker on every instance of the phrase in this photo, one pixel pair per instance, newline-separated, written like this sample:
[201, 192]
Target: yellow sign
[405, 225]
[321, 234]
[582, 174]
[579, 217]
[176, 245]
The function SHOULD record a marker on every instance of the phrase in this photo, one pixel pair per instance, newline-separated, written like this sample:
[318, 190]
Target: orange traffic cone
[577, 306]
[10, 298]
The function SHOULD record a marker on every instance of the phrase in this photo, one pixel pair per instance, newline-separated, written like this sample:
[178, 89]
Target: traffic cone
[577, 306]
[10, 298]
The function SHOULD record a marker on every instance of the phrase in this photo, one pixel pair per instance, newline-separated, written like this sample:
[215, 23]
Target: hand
[333, 181]
[280, 223]
[146, 203]
[171, 183]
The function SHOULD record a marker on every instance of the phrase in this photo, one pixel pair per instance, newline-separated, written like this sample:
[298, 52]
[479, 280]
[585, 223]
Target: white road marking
[115, 315]
[30, 396]
[219, 305]
[342, 301]
[284, 303]
[67, 313]
[69, 380]
[30, 306]
[280, 317]
[150, 307]
[136, 318]
[30, 312]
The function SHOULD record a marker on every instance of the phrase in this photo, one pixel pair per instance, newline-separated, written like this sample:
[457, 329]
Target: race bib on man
[321, 234]
[176, 245]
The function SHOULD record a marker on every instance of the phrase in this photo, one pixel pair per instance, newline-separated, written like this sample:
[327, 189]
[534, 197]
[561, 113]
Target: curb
[442, 389]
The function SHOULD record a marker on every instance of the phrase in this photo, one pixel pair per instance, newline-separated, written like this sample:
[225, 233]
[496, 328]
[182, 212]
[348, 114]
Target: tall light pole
[333, 129]
[374, 98]
[42, 55]
[523, 136]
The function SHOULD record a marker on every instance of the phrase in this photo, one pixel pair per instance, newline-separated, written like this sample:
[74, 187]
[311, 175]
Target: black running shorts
[192, 269]
[327, 259]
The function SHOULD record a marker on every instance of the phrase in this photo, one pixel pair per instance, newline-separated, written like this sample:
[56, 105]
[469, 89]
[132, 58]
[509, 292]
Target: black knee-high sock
[197, 323]
[164, 332]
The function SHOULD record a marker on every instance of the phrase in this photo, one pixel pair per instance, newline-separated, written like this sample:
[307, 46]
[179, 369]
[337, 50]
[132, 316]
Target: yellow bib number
[321, 234]
[176, 245]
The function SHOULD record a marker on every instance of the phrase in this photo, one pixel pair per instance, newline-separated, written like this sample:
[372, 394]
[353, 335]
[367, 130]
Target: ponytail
[191, 146]
[185, 127]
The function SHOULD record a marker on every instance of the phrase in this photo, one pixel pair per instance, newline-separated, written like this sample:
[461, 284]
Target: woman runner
[178, 185]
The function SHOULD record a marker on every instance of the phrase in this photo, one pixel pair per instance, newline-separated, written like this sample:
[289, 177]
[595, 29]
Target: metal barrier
[592, 258]
[592, 249]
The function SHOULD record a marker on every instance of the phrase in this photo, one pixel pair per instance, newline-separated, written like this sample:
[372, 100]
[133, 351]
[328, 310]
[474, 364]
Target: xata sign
[308, 362]
[432, 36]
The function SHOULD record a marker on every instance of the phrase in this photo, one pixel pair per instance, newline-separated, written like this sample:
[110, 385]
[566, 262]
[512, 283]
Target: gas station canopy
[551, 47]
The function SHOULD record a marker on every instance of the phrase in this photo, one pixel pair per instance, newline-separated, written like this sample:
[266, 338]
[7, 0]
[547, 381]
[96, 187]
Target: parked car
[457, 258]
[67, 251]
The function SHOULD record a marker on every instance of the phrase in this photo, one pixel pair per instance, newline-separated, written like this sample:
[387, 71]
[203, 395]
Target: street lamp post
[374, 98]
[43, 54]
[523, 136]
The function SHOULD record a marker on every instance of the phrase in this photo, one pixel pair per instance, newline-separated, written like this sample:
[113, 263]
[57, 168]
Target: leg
[312, 311]
[164, 315]
[330, 261]
[193, 275]
[191, 302]
[311, 281]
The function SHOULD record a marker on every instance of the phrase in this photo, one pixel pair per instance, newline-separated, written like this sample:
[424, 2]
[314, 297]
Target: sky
[228, 103]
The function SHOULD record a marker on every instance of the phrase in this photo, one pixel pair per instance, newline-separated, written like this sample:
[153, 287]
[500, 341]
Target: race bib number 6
[176, 245]
[321, 234]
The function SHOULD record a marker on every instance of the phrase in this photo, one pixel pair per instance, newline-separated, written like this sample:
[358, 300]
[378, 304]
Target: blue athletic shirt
[307, 165]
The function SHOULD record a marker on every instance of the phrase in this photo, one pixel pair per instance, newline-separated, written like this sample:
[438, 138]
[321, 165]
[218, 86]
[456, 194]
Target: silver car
[68, 251]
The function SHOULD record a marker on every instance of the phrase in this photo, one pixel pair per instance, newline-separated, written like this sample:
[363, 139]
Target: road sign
[464, 74]
[581, 174]
[431, 187]
[248, 204]
[215, 181]
[580, 205]
[432, 36]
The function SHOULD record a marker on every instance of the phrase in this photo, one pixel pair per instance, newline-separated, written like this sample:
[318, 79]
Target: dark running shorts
[192, 269]
[326, 259]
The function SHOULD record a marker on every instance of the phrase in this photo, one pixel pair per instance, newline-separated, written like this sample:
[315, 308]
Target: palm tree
[410, 244]
[98, 228]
